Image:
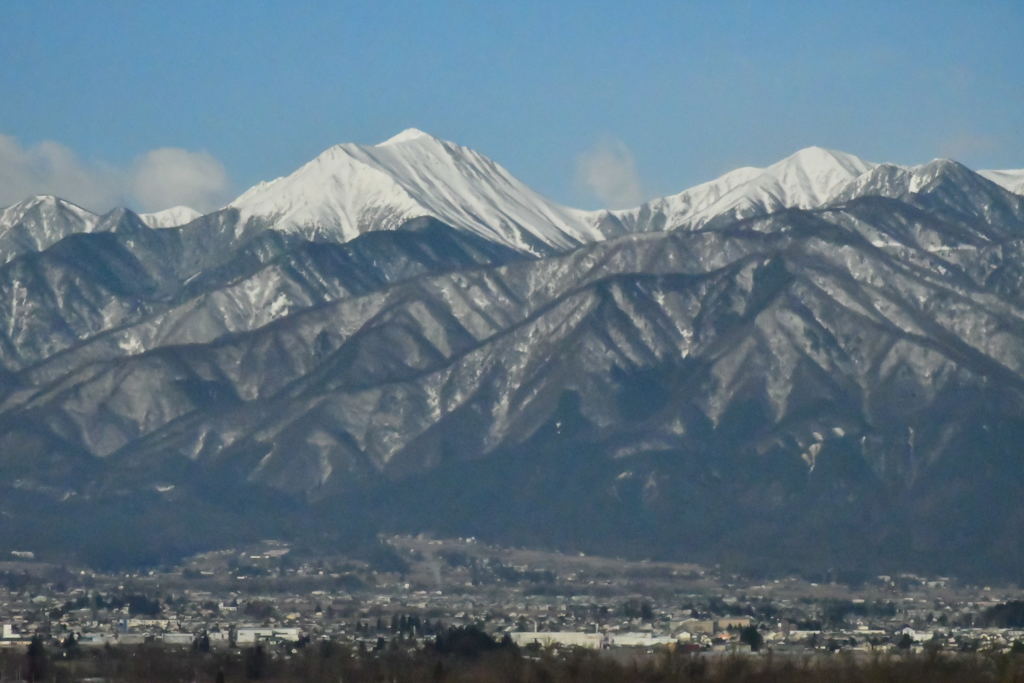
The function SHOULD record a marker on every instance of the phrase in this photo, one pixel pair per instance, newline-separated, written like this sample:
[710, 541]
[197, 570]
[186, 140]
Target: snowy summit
[803, 180]
[352, 189]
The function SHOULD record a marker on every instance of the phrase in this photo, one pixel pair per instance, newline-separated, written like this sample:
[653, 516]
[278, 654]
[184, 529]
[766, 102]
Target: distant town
[412, 590]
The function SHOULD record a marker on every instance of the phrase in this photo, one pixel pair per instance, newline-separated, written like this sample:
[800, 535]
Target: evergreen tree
[752, 637]
[37, 661]
[255, 663]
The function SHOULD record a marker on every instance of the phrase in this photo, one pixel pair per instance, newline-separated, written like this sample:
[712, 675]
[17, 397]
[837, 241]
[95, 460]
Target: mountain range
[817, 364]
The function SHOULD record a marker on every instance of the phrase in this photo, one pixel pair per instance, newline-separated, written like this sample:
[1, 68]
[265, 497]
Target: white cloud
[158, 179]
[607, 170]
[170, 176]
[51, 168]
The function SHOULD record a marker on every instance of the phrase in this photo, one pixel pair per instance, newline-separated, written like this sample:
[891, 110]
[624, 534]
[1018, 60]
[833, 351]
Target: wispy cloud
[51, 168]
[170, 176]
[608, 171]
[158, 179]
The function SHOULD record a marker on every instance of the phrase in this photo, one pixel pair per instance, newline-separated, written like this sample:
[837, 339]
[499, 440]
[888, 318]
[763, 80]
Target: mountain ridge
[350, 189]
[840, 383]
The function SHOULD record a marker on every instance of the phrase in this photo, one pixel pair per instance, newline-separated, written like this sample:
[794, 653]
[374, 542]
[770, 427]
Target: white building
[593, 641]
[640, 640]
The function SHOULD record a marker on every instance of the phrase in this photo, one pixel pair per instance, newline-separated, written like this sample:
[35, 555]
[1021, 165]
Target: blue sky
[676, 92]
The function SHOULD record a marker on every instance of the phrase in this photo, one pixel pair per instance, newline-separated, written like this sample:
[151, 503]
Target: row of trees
[464, 655]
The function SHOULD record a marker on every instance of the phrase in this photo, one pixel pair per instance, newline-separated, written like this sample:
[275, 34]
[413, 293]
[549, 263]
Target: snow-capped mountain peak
[351, 189]
[407, 135]
[38, 222]
[46, 207]
[802, 180]
[809, 176]
[895, 181]
[942, 185]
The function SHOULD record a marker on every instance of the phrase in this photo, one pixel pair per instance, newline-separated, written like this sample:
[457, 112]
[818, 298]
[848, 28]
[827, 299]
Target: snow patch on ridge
[170, 218]
[1009, 179]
